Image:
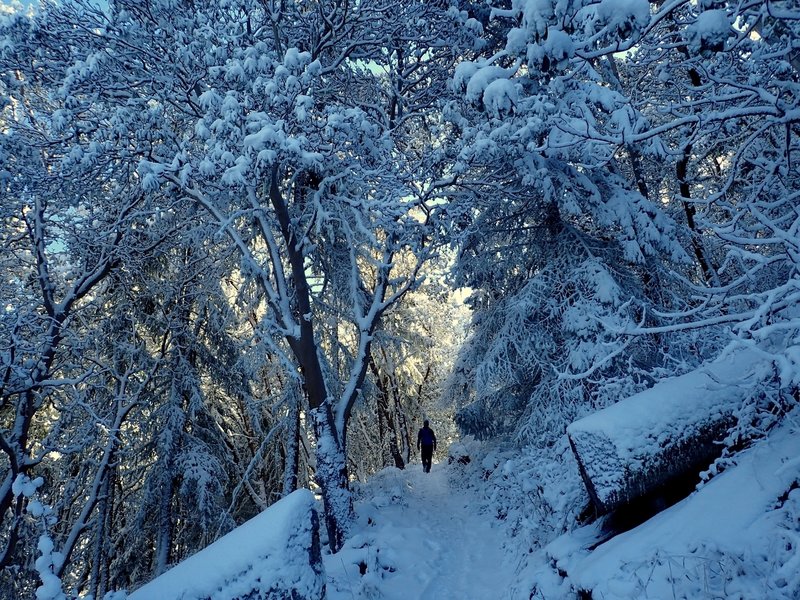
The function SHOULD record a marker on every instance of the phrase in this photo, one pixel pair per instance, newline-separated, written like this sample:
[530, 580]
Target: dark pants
[427, 455]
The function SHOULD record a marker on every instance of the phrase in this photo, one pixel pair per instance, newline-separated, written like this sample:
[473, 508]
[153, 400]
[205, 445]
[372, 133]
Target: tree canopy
[230, 230]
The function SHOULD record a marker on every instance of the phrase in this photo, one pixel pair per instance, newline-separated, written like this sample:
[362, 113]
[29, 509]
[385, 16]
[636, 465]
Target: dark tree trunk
[99, 583]
[681, 173]
[164, 539]
[292, 459]
[386, 423]
[331, 472]
[331, 475]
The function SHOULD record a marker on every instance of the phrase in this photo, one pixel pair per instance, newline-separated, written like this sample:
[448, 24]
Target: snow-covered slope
[736, 537]
[269, 557]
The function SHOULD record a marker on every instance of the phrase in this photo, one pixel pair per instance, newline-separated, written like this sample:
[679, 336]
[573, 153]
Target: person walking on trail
[426, 442]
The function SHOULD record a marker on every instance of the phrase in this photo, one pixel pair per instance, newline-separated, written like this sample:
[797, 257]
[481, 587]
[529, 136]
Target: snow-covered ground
[736, 537]
[421, 536]
[439, 536]
[266, 557]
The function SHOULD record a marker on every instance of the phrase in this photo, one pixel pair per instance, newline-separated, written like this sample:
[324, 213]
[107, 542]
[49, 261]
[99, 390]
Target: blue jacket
[426, 437]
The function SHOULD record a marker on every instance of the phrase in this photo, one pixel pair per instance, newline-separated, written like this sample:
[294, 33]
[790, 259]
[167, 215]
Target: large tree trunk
[331, 476]
[292, 459]
[331, 472]
[403, 430]
[394, 434]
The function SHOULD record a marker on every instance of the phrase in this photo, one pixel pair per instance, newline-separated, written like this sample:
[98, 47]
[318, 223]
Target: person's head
[425, 423]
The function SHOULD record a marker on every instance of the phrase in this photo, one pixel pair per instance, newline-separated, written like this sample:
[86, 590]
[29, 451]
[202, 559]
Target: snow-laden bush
[760, 412]
[535, 492]
[548, 353]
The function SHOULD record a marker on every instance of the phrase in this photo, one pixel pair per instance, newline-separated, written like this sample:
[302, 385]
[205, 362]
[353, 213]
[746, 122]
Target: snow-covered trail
[420, 538]
[466, 557]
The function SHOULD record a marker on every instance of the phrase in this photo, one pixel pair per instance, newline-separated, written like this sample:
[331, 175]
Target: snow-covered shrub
[463, 451]
[547, 352]
[535, 492]
[765, 407]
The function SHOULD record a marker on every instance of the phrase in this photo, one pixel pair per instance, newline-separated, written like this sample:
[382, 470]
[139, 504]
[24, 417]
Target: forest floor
[420, 536]
[439, 536]
[436, 536]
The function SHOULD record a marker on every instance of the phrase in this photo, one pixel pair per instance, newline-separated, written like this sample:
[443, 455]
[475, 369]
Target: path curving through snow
[419, 537]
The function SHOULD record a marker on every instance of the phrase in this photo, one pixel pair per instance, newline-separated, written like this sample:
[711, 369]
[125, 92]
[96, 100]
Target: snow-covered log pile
[645, 442]
[273, 556]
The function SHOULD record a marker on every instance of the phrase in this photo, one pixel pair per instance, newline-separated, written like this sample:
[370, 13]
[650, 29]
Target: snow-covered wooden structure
[646, 442]
[274, 556]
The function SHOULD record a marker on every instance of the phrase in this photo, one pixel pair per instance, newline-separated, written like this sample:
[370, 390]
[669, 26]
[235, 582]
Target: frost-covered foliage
[304, 143]
[733, 138]
[623, 209]
[131, 443]
[545, 346]
[213, 212]
[207, 210]
[64, 394]
[661, 141]
[537, 355]
[535, 492]
[564, 251]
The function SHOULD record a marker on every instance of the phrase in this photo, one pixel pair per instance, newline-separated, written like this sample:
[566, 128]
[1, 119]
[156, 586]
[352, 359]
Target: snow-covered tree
[559, 244]
[570, 125]
[622, 209]
[305, 133]
[413, 353]
[63, 235]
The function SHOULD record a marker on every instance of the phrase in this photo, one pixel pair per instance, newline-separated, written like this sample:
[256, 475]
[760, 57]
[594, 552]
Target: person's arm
[419, 439]
[434, 440]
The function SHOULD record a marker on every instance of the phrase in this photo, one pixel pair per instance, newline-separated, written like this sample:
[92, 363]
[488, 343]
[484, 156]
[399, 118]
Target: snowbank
[644, 441]
[736, 537]
[273, 556]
